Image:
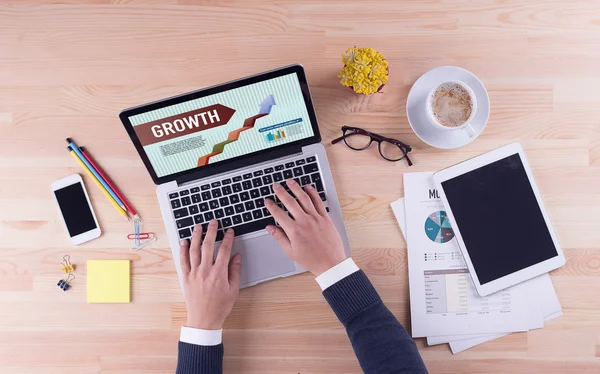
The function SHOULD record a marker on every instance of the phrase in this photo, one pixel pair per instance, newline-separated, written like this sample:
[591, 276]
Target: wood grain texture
[68, 67]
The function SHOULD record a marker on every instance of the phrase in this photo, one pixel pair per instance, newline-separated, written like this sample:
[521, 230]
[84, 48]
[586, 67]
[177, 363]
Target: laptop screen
[233, 123]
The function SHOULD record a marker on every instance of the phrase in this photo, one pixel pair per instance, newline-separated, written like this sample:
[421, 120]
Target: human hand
[309, 238]
[210, 289]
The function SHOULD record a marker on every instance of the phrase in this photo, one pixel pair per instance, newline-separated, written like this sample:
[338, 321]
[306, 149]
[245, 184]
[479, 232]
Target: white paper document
[536, 296]
[464, 344]
[540, 291]
[549, 305]
[443, 299]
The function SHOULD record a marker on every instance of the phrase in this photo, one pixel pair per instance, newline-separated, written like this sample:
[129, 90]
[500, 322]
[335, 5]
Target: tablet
[499, 219]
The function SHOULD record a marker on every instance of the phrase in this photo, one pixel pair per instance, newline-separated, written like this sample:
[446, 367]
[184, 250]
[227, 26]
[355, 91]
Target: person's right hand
[309, 236]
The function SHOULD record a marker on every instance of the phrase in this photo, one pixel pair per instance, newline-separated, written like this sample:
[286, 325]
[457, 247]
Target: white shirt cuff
[337, 273]
[201, 337]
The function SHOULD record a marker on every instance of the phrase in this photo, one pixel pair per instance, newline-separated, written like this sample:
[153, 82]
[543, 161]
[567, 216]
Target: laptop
[215, 153]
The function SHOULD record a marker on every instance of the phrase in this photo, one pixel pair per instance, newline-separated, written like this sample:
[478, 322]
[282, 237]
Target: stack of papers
[444, 305]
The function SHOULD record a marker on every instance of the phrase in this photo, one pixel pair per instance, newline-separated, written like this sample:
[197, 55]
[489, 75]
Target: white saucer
[417, 115]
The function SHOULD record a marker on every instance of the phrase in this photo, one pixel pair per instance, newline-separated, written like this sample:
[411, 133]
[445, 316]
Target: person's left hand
[210, 289]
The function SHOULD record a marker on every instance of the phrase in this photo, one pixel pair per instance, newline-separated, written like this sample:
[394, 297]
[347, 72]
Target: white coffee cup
[466, 126]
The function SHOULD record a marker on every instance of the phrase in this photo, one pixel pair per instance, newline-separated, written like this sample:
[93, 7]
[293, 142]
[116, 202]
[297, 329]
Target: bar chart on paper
[452, 291]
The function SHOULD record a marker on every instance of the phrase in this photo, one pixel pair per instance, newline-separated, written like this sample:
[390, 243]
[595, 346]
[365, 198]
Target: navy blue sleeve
[381, 344]
[200, 359]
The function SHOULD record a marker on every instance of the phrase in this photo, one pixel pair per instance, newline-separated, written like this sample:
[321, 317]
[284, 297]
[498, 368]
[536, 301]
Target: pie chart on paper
[437, 227]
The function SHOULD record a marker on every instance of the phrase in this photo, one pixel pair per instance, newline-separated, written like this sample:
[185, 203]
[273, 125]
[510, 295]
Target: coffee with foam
[451, 104]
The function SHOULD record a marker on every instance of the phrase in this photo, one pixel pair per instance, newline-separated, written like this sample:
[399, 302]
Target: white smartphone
[75, 208]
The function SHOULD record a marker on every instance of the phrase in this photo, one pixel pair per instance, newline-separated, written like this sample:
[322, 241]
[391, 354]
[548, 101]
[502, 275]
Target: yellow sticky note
[108, 281]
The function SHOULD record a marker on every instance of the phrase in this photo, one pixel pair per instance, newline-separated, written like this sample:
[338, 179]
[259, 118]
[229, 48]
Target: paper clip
[67, 267]
[137, 229]
[63, 284]
[142, 235]
[138, 236]
[142, 245]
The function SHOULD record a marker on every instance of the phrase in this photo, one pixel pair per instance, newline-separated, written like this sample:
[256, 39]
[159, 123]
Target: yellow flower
[365, 70]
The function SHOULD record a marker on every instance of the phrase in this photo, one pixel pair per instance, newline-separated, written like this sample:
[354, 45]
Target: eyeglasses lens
[390, 151]
[357, 140]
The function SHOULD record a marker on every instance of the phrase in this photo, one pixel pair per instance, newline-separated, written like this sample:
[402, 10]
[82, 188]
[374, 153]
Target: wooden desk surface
[68, 69]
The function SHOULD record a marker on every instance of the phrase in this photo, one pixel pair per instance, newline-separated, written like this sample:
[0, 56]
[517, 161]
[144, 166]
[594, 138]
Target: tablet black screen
[499, 219]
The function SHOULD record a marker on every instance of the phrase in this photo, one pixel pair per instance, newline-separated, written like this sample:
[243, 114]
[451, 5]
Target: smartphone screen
[75, 209]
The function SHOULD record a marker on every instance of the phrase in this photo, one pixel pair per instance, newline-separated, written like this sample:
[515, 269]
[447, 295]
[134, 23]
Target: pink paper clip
[140, 239]
[141, 235]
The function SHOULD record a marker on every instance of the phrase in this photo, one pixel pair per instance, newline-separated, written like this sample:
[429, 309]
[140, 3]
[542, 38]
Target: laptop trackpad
[262, 258]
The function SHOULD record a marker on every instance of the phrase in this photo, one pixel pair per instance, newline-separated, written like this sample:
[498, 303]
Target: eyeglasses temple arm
[408, 147]
[337, 140]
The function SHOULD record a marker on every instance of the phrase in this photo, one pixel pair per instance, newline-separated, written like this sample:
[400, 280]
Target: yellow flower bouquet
[365, 70]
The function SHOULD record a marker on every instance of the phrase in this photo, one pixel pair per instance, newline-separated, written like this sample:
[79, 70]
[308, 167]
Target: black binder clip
[63, 284]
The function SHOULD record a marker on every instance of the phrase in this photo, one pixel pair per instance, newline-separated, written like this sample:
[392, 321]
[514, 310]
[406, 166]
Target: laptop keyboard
[238, 201]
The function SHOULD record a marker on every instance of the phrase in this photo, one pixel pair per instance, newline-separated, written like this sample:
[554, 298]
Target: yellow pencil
[117, 207]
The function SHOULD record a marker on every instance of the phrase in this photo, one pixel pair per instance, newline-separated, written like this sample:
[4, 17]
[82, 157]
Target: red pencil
[95, 166]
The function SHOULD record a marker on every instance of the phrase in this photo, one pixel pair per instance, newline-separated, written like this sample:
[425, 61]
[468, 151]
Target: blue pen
[77, 151]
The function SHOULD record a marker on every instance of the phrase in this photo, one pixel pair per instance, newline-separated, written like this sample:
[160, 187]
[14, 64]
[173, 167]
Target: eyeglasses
[359, 139]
